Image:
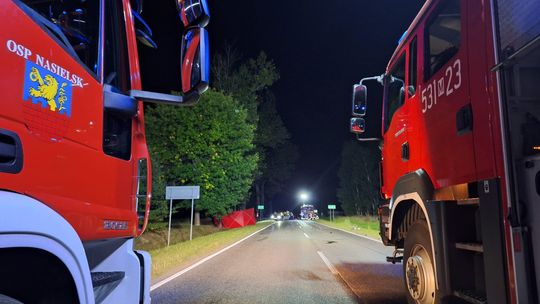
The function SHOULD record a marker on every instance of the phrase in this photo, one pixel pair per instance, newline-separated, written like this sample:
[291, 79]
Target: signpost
[181, 192]
[332, 209]
[261, 208]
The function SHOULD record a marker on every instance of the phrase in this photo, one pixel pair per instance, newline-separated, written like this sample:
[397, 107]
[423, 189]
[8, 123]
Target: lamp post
[303, 196]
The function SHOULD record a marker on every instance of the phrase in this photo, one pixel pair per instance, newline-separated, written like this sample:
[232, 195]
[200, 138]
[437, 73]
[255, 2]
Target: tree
[278, 154]
[250, 83]
[358, 190]
[246, 81]
[210, 144]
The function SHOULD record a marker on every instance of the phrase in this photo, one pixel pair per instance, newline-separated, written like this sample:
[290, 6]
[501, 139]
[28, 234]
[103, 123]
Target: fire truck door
[396, 148]
[445, 101]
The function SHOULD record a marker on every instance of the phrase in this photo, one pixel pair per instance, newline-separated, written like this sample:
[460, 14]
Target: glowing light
[303, 196]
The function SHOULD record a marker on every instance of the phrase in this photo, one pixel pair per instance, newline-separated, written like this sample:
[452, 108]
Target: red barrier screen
[239, 219]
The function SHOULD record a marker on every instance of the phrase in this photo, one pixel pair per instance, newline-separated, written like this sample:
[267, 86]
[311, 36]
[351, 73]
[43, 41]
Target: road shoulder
[350, 232]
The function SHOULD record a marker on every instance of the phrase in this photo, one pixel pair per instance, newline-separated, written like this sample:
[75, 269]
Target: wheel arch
[28, 268]
[27, 223]
[411, 192]
[408, 204]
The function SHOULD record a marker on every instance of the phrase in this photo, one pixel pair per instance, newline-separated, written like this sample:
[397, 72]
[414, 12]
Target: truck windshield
[75, 23]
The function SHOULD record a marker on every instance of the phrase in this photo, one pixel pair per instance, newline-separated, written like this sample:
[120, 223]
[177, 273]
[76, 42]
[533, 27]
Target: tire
[418, 268]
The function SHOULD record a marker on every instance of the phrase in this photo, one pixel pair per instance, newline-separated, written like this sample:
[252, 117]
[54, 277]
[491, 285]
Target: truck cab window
[116, 128]
[116, 69]
[413, 68]
[75, 20]
[394, 90]
[443, 36]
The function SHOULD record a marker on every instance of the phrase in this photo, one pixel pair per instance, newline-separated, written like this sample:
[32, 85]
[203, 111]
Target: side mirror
[358, 125]
[193, 12]
[195, 56]
[195, 61]
[359, 105]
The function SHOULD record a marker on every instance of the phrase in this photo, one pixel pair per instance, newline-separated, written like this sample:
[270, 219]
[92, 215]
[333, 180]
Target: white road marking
[362, 236]
[176, 275]
[306, 235]
[327, 262]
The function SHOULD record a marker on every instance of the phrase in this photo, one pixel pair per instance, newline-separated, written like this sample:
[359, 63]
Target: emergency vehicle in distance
[308, 212]
[460, 141]
[75, 178]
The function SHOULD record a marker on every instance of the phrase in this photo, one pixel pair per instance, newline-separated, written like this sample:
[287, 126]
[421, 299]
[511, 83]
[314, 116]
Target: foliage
[210, 145]
[159, 208]
[271, 131]
[250, 83]
[246, 81]
[358, 179]
[278, 154]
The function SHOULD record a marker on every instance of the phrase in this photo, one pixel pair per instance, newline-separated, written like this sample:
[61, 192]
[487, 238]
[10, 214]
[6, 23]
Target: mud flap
[437, 213]
[491, 221]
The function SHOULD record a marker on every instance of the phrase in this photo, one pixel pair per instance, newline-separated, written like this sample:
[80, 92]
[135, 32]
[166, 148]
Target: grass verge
[361, 225]
[156, 237]
[170, 259]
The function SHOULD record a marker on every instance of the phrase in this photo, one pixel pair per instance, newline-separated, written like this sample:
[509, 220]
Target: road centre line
[359, 235]
[327, 262]
[306, 235]
[185, 270]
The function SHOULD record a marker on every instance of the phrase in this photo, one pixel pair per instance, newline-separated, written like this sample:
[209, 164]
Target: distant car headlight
[279, 217]
[273, 217]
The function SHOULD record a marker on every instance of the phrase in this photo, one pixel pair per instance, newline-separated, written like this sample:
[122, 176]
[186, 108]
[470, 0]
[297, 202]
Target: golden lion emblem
[48, 90]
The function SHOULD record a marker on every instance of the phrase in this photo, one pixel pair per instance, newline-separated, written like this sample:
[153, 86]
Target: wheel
[418, 265]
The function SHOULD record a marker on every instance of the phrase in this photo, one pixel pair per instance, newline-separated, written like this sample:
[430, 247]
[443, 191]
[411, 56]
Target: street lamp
[303, 196]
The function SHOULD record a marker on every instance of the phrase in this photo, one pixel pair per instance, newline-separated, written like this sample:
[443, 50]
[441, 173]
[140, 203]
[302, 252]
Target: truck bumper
[134, 287]
[145, 261]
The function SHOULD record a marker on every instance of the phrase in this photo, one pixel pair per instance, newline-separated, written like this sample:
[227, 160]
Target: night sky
[321, 48]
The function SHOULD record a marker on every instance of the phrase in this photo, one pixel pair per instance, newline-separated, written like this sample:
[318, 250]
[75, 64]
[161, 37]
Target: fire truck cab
[460, 151]
[75, 178]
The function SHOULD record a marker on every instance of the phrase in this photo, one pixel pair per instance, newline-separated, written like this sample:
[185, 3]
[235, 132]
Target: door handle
[464, 120]
[11, 153]
[7, 152]
[405, 153]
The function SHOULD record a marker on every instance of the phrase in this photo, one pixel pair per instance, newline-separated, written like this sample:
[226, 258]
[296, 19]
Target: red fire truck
[75, 179]
[460, 142]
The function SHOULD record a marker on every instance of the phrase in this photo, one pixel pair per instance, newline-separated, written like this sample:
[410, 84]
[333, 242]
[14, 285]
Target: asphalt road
[292, 262]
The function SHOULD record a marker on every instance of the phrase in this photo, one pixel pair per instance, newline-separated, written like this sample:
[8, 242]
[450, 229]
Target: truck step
[104, 283]
[469, 202]
[397, 257]
[394, 259]
[470, 296]
[104, 278]
[476, 247]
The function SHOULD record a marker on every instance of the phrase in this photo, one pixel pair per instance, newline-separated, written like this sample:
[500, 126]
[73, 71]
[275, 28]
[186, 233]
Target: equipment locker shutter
[518, 24]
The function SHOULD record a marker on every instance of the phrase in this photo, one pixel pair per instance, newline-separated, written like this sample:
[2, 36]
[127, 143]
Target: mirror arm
[159, 98]
[367, 139]
[379, 79]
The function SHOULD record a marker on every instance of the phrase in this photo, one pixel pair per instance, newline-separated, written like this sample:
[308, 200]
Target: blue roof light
[402, 37]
